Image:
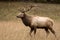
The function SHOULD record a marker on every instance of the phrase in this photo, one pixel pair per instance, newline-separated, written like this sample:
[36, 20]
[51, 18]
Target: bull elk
[36, 22]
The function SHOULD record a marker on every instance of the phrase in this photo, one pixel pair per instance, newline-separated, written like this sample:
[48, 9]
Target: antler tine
[30, 8]
[23, 10]
[33, 5]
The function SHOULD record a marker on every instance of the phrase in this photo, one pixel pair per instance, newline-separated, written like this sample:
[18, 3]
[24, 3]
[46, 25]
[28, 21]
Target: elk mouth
[17, 16]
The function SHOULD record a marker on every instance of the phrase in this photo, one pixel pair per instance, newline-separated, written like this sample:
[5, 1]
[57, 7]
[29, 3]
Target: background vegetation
[40, 1]
[9, 10]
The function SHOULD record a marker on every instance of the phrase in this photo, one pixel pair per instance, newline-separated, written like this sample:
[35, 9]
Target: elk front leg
[34, 30]
[31, 31]
[47, 31]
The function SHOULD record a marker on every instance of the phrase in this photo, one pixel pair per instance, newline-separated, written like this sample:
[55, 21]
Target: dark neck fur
[26, 19]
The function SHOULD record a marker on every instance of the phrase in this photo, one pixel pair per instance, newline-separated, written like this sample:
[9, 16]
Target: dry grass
[13, 30]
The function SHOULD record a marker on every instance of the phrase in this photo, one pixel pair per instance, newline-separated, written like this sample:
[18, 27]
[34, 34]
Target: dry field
[15, 30]
[12, 28]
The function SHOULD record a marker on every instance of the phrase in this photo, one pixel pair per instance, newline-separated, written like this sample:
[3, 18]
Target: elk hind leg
[52, 31]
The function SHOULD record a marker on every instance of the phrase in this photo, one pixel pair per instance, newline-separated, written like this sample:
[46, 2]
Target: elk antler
[23, 11]
[30, 8]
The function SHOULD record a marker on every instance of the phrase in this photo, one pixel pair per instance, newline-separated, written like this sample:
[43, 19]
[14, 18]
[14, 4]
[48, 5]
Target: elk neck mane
[27, 19]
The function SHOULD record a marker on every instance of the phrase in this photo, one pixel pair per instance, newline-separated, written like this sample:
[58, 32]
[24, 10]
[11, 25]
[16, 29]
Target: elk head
[22, 14]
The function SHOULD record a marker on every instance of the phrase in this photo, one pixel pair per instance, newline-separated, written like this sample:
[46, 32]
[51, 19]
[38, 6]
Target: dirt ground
[16, 30]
